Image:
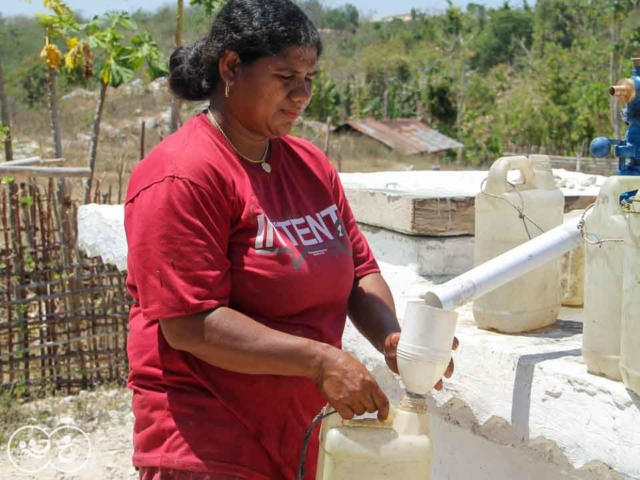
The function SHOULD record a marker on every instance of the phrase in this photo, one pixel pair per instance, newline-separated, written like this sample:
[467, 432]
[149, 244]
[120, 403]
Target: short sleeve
[363, 259]
[177, 235]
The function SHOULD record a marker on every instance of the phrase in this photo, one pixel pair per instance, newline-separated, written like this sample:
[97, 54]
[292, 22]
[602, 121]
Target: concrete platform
[440, 204]
[519, 406]
[439, 258]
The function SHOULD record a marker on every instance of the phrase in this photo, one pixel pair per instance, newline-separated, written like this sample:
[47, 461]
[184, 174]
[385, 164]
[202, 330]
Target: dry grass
[356, 153]
[119, 147]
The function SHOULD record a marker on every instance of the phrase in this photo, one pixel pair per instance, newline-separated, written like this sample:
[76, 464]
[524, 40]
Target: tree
[561, 22]
[56, 26]
[175, 103]
[346, 17]
[456, 29]
[314, 9]
[620, 10]
[507, 32]
[117, 60]
[5, 117]
[5, 126]
[211, 7]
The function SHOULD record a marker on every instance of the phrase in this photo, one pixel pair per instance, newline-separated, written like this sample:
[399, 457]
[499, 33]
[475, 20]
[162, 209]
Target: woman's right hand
[349, 387]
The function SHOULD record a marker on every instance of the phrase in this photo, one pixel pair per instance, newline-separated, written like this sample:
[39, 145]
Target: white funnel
[424, 350]
[428, 328]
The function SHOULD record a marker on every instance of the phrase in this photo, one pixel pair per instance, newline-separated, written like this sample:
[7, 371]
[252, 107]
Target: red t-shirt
[206, 229]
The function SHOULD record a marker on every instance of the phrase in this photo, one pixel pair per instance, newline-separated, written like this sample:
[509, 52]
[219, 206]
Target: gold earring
[226, 90]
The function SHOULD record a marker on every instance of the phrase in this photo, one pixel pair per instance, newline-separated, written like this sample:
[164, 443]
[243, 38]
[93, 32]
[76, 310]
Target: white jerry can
[534, 300]
[573, 271]
[630, 328]
[605, 264]
[367, 449]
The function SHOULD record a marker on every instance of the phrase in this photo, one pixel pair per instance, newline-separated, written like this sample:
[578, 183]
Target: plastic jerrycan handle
[335, 420]
[497, 183]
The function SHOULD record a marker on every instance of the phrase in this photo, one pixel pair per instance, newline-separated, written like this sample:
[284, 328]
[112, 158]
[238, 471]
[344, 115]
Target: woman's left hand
[390, 350]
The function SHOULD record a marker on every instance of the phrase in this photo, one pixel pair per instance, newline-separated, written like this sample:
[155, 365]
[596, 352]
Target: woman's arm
[230, 340]
[372, 311]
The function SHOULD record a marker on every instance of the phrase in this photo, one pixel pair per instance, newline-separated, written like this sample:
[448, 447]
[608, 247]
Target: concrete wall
[519, 407]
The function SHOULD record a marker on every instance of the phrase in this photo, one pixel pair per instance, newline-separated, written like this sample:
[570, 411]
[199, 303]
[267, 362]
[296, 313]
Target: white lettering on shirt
[284, 226]
[303, 231]
[332, 211]
[308, 231]
[318, 226]
[260, 234]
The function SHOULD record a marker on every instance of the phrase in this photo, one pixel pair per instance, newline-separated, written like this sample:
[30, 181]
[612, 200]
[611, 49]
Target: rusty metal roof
[408, 136]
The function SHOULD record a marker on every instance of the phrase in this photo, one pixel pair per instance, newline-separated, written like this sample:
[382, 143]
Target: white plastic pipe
[507, 267]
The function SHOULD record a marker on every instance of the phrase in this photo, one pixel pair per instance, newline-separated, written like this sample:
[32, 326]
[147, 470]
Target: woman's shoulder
[191, 154]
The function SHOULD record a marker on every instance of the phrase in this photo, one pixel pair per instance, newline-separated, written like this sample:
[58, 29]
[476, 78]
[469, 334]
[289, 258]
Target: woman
[244, 260]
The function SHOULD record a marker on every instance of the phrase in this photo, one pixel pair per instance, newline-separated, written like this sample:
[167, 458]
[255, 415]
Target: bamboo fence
[63, 316]
[585, 164]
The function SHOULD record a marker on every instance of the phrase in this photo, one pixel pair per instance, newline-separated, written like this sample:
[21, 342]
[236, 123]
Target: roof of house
[408, 136]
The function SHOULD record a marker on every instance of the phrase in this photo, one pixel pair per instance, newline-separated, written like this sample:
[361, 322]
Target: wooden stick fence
[588, 165]
[63, 317]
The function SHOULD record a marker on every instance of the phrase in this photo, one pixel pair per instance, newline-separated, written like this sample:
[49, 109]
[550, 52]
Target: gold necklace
[263, 162]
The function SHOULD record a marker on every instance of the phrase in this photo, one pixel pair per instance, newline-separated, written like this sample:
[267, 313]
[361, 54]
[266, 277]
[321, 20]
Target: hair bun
[188, 76]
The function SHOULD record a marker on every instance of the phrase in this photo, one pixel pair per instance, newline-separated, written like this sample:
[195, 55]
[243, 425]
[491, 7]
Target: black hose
[305, 441]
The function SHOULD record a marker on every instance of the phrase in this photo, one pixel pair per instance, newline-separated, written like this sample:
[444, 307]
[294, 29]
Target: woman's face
[270, 94]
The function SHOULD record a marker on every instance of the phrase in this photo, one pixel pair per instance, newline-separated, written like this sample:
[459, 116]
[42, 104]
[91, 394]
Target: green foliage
[441, 104]
[211, 7]
[20, 44]
[343, 18]
[146, 53]
[20, 37]
[346, 17]
[119, 54]
[61, 21]
[508, 32]
[326, 99]
[561, 22]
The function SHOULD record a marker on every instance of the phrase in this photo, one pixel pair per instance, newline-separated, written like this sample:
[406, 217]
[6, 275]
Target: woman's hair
[251, 28]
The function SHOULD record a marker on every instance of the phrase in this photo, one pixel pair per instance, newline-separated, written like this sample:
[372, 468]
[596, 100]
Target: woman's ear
[229, 67]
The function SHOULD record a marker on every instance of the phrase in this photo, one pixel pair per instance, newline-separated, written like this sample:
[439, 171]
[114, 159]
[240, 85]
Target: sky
[378, 8]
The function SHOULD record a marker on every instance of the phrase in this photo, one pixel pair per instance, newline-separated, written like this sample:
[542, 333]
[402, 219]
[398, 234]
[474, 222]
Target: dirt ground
[104, 416]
